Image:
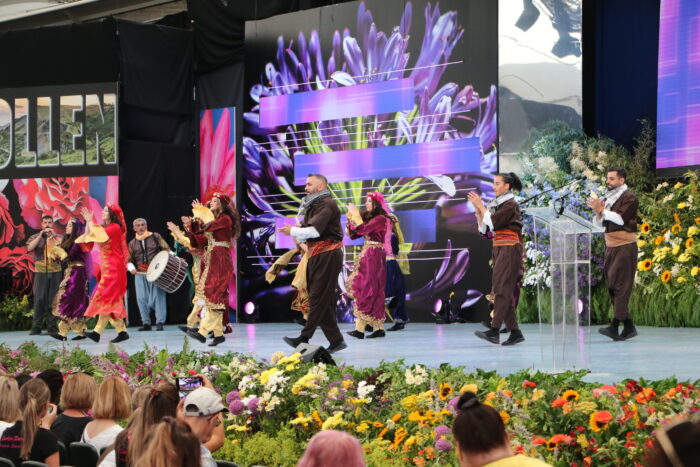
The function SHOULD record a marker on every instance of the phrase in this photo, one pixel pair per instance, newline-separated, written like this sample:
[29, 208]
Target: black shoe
[611, 332]
[216, 341]
[145, 327]
[516, 337]
[58, 337]
[368, 328]
[486, 323]
[197, 335]
[357, 334]
[122, 336]
[79, 337]
[504, 331]
[337, 346]
[159, 327]
[377, 333]
[492, 335]
[35, 332]
[397, 327]
[628, 332]
[185, 329]
[300, 321]
[93, 335]
[295, 341]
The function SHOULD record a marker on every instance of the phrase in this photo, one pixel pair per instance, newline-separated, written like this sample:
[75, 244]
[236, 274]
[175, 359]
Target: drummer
[142, 249]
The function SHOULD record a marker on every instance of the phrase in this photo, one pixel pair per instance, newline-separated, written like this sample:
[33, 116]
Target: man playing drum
[142, 249]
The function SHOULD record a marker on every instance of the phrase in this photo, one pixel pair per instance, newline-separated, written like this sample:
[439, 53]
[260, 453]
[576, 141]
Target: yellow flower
[537, 394]
[681, 205]
[645, 228]
[676, 249]
[689, 243]
[301, 420]
[684, 258]
[267, 374]
[677, 185]
[644, 265]
[445, 391]
[599, 420]
[504, 416]
[695, 271]
[469, 388]
[362, 427]
[582, 440]
[316, 417]
[410, 441]
[335, 421]
[570, 395]
[347, 384]
[409, 403]
[681, 279]
[666, 276]
[641, 243]
[693, 230]
[676, 229]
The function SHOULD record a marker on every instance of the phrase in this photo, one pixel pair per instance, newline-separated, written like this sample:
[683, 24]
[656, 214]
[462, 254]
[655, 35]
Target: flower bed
[401, 414]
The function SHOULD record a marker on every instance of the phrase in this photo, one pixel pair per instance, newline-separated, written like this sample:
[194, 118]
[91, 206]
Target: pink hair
[332, 448]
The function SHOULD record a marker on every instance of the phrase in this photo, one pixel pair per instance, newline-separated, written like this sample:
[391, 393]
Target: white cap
[203, 402]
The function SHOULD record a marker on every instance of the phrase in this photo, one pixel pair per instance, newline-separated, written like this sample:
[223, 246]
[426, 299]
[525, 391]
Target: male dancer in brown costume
[501, 219]
[618, 214]
[323, 234]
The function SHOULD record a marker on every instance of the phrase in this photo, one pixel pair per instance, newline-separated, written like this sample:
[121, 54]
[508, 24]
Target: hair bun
[467, 401]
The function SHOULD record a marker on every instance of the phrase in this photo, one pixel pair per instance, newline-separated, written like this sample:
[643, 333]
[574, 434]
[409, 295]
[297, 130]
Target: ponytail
[33, 397]
[512, 180]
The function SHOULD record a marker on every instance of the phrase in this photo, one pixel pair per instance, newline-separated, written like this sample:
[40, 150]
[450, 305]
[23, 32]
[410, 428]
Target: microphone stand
[560, 211]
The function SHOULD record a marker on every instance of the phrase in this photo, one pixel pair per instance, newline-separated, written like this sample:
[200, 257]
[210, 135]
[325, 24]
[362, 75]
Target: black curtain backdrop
[620, 62]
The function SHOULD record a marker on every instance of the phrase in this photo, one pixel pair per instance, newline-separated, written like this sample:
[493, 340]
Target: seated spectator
[170, 443]
[112, 403]
[161, 402]
[481, 438]
[28, 439]
[201, 410]
[139, 396]
[54, 380]
[24, 377]
[77, 397]
[677, 444]
[331, 448]
[9, 402]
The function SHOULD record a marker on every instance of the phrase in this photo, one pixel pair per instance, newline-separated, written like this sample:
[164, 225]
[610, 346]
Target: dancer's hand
[196, 203]
[286, 230]
[171, 226]
[476, 201]
[87, 214]
[352, 209]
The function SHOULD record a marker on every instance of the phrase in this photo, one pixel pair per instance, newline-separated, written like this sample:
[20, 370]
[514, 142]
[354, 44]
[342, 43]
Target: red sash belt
[506, 237]
[322, 246]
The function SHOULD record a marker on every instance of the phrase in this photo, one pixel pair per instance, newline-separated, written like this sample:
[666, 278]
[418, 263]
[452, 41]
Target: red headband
[223, 197]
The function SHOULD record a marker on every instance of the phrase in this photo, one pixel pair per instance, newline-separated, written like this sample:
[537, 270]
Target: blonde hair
[9, 399]
[78, 392]
[139, 396]
[170, 443]
[113, 399]
[33, 398]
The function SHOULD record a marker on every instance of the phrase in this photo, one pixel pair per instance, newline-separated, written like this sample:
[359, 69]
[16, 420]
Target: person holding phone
[201, 410]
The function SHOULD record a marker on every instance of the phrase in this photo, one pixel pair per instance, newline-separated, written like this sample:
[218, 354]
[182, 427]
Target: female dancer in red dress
[107, 301]
[367, 282]
[216, 267]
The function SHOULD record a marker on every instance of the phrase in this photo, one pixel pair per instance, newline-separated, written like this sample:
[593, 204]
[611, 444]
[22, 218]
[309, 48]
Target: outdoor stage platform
[656, 353]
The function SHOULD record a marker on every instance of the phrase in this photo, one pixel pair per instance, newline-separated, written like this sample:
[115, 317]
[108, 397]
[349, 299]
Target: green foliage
[281, 448]
[15, 313]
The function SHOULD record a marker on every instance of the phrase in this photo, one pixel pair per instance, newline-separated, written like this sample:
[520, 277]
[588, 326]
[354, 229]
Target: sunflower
[697, 220]
[666, 276]
[445, 391]
[645, 228]
[676, 228]
[570, 395]
[599, 420]
[659, 240]
[555, 440]
[689, 243]
[644, 265]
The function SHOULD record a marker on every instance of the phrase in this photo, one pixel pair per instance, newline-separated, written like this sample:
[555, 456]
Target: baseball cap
[203, 402]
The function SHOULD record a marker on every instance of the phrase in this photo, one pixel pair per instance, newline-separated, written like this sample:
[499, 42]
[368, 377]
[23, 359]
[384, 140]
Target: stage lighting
[251, 313]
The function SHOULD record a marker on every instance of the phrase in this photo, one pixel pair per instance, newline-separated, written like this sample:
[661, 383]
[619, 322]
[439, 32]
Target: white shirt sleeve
[613, 217]
[130, 267]
[304, 233]
[486, 223]
[598, 221]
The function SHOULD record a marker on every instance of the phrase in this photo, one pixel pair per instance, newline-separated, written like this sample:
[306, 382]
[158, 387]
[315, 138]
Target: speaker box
[315, 354]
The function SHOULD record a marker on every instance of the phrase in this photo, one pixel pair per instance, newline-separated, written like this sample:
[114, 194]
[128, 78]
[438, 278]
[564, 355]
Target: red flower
[22, 265]
[633, 386]
[558, 402]
[60, 198]
[529, 384]
[192, 372]
[9, 232]
[645, 395]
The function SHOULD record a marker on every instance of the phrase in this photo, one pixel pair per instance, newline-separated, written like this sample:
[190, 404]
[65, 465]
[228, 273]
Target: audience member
[24, 377]
[138, 397]
[202, 410]
[112, 403]
[481, 438]
[28, 438]
[170, 443]
[9, 402]
[54, 380]
[331, 448]
[76, 401]
[678, 444]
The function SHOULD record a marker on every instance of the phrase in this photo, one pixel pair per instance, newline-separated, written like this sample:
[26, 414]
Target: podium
[564, 304]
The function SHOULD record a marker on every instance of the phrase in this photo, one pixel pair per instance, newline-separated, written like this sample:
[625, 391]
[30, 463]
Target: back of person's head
[477, 428]
[139, 396]
[23, 378]
[113, 399]
[33, 399]
[78, 392]
[161, 402]
[678, 445]
[332, 448]
[54, 380]
[9, 399]
[170, 443]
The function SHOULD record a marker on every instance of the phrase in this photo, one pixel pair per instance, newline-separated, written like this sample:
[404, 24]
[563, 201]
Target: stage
[656, 353]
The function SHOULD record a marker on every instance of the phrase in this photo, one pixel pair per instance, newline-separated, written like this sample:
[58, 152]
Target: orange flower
[659, 240]
[558, 402]
[689, 243]
[382, 433]
[645, 396]
[556, 440]
[676, 228]
[600, 420]
[645, 228]
[529, 384]
[676, 218]
[538, 441]
[666, 276]
[697, 220]
[507, 393]
[570, 395]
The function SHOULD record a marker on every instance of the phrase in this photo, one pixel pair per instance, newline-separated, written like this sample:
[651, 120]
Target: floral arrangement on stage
[401, 414]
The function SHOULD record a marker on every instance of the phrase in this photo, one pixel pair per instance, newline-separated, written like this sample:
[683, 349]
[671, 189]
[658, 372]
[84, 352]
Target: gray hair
[139, 219]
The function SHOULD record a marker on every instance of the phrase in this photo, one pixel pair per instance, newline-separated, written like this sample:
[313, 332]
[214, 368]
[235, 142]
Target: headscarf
[311, 199]
[379, 198]
[223, 197]
[120, 215]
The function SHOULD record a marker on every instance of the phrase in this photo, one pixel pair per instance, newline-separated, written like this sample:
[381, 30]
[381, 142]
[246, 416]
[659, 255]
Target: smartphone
[187, 384]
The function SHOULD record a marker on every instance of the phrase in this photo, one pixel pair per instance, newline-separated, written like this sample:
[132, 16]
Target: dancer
[214, 230]
[395, 290]
[142, 249]
[180, 237]
[368, 278]
[322, 232]
[47, 276]
[107, 301]
[618, 214]
[502, 217]
[71, 301]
